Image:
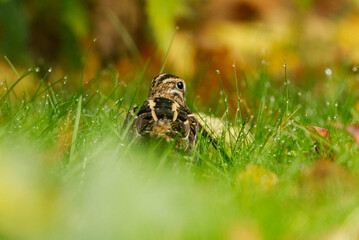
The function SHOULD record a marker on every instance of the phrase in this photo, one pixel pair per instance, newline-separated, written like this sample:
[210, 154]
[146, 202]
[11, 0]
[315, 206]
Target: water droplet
[355, 68]
[65, 77]
[336, 105]
[218, 72]
[328, 72]
[50, 69]
[37, 69]
[299, 94]
[327, 103]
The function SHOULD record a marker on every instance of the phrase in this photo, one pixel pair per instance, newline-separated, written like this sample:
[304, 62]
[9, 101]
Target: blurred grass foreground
[276, 81]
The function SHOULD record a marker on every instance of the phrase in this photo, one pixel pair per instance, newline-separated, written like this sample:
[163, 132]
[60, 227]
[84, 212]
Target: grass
[66, 172]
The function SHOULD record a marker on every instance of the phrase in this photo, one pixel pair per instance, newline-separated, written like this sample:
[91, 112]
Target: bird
[165, 115]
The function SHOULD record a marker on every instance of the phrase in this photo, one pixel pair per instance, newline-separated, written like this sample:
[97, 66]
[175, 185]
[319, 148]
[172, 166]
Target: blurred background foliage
[311, 35]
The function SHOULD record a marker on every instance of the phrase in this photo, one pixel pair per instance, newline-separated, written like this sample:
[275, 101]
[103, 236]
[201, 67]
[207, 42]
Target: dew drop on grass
[336, 105]
[327, 103]
[37, 69]
[50, 70]
[355, 68]
[217, 71]
[299, 94]
[328, 72]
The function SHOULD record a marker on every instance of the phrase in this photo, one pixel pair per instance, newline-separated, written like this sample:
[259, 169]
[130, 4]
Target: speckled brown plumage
[165, 114]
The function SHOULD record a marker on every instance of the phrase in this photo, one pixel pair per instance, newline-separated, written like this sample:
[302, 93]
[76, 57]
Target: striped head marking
[168, 86]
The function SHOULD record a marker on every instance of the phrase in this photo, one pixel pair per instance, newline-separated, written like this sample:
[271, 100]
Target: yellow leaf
[258, 176]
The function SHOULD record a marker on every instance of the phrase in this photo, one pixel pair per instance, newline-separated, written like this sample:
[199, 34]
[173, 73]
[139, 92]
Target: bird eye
[180, 85]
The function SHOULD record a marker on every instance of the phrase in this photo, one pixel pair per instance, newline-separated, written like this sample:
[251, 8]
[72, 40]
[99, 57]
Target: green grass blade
[76, 128]
[168, 51]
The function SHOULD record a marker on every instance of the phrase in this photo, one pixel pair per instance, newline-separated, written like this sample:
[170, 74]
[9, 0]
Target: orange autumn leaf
[321, 131]
[353, 130]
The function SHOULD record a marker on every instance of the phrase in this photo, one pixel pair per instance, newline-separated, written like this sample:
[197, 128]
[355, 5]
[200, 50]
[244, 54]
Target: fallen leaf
[325, 174]
[259, 176]
[321, 131]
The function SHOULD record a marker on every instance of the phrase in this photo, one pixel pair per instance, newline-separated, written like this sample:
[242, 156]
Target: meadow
[276, 82]
[67, 171]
